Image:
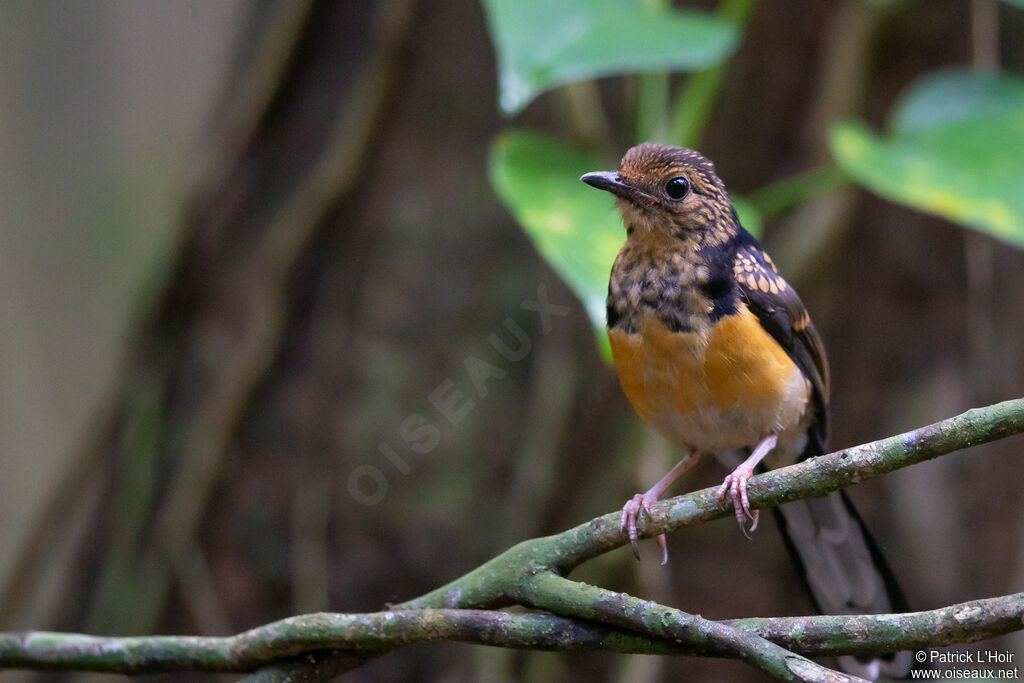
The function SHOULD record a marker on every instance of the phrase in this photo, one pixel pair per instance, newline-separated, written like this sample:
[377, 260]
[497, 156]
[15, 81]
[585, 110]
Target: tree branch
[709, 638]
[857, 634]
[363, 636]
[318, 646]
[492, 583]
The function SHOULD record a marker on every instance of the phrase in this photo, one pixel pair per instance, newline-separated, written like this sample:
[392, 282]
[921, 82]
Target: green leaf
[574, 227]
[545, 43]
[950, 97]
[1016, 3]
[955, 149]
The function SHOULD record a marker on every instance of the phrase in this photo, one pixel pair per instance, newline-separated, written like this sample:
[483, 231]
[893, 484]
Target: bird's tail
[844, 569]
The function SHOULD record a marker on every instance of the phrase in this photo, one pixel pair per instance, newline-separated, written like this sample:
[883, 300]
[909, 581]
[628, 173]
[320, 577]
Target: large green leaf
[544, 43]
[955, 148]
[574, 227]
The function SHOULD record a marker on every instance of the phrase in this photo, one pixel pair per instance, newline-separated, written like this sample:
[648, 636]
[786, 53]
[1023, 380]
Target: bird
[715, 350]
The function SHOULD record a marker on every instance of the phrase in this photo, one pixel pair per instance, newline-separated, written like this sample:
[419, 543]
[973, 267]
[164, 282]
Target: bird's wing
[840, 561]
[783, 315]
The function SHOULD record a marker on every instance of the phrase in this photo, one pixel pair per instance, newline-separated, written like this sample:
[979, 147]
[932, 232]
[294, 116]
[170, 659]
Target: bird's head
[660, 189]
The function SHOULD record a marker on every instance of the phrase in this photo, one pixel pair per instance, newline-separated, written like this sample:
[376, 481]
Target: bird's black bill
[609, 180]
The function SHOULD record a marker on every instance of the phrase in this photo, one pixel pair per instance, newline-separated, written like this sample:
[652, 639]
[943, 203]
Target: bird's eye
[678, 187]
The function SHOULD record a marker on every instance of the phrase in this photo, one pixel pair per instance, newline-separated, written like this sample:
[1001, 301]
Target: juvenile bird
[716, 350]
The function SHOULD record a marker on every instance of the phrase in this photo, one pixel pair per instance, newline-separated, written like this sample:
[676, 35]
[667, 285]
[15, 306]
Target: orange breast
[725, 387]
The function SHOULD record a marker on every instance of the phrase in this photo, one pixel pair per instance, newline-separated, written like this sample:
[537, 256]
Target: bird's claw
[735, 485]
[631, 511]
[634, 507]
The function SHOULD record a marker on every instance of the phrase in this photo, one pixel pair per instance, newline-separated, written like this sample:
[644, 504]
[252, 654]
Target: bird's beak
[610, 181]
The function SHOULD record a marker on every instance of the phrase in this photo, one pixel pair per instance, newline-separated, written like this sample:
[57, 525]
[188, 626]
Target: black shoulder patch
[720, 284]
[613, 315]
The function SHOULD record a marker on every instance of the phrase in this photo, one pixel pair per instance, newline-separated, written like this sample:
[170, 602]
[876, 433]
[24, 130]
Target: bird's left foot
[735, 485]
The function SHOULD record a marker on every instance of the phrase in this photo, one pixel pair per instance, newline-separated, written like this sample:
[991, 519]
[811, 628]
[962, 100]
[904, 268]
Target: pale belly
[721, 389]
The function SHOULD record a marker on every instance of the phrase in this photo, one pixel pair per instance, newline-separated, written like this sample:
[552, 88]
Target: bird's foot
[631, 511]
[735, 485]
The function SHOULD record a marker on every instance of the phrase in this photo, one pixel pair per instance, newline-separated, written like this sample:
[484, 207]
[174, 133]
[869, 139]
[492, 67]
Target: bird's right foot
[631, 511]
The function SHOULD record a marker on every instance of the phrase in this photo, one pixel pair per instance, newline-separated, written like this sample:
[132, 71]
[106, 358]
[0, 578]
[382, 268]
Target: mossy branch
[581, 617]
[549, 591]
[492, 583]
[363, 636]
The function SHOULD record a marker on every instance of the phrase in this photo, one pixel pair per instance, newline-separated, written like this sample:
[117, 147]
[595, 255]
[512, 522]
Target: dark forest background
[244, 243]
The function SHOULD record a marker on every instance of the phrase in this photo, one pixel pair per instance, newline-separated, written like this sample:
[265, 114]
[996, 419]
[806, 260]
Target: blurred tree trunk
[276, 199]
[338, 255]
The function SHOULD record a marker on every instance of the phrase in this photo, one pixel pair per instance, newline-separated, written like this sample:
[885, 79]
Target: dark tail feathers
[843, 568]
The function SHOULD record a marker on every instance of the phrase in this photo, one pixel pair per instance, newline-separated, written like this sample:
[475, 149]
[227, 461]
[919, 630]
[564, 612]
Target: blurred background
[252, 254]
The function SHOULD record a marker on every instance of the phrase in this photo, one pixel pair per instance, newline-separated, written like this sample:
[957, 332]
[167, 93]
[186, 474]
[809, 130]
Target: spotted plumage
[688, 270]
[716, 350]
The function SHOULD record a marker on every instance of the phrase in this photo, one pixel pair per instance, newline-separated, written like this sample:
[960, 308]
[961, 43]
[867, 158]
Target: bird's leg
[736, 483]
[641, 502]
